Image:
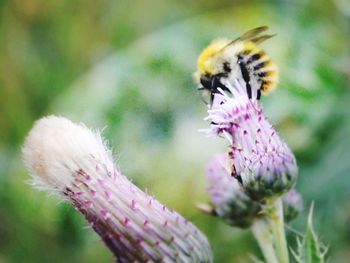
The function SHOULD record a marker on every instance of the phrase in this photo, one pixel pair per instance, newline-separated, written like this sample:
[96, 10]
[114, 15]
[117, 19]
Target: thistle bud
[229, 200]
[74, 162]
[292, 205]
[262, 161]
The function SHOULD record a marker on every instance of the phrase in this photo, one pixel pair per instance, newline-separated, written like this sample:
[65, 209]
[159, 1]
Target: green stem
[264, 238]
[275, 213]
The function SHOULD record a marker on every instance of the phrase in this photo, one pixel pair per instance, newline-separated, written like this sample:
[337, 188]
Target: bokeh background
[126, 66]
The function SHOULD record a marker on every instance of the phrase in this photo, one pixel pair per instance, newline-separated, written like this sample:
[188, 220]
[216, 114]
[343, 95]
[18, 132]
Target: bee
[240, 59]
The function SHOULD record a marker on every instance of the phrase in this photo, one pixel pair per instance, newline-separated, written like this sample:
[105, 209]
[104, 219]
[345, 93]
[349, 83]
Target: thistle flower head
[230, 202]
[262, 161]
[74, 162]
[292, 205]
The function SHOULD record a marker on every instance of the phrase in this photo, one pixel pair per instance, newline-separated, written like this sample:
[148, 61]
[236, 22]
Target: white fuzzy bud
[74, 161]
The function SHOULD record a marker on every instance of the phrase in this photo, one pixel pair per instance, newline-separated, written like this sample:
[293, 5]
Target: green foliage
[310, 249]
[126, 66]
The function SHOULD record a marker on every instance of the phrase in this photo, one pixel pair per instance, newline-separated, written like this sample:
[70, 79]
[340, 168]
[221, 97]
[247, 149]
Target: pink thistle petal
[264, 161]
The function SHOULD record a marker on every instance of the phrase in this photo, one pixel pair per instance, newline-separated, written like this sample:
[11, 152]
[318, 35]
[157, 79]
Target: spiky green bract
[310, 249]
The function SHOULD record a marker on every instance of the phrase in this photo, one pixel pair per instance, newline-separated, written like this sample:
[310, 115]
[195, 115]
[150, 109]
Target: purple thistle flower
[74, 162]
[230, 202]
[292, 205]
[261, 160]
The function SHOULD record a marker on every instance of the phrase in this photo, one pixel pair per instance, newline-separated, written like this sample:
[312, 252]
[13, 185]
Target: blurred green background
[126, 66]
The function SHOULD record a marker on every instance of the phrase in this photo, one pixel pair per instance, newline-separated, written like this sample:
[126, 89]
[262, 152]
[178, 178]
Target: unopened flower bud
[262, 161]
[74, 162]
[229, 200]
[292, 205]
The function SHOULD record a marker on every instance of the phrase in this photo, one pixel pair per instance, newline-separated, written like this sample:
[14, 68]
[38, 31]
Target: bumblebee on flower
[246, 186]
[235, 74]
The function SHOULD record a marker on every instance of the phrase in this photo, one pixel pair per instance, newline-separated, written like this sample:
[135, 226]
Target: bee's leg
[245, 75]
[211, 98]
[215, 84]
[258, 94]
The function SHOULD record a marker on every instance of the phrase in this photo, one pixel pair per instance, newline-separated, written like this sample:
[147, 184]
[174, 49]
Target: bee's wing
[251, 35]
[259, 39]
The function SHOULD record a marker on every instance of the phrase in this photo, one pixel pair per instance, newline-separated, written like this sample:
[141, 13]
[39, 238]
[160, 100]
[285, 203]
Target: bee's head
[212, 64]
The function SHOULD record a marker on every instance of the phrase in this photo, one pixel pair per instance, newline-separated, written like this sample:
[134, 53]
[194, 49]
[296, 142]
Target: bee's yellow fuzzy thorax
[206, 63]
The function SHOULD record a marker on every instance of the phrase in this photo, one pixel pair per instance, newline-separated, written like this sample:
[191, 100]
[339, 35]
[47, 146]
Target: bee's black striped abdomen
[259, 66]
[253, 58]
[245, 75]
